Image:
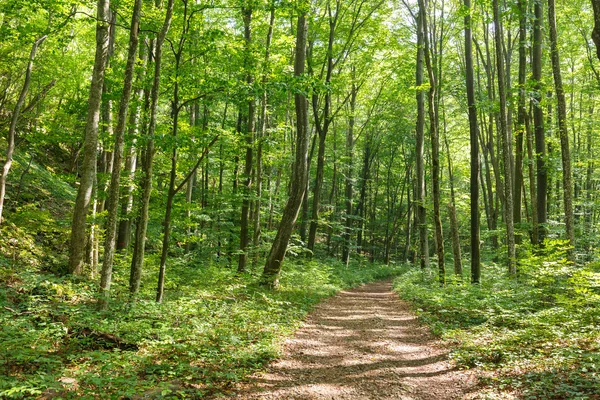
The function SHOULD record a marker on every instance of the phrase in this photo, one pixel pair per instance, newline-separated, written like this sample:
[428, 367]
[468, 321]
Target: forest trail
[363, 343]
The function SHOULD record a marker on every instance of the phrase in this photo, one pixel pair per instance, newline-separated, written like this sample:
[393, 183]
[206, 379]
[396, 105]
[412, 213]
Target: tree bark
[349, 187]
[124, 235]
[272, 269]
[249, 141]
[474, 141]
[137, 261]
[567, 177]
[420, 143]
[538, 122]
[506, 152]
[435, 146]
[115, 183]
[88, 170]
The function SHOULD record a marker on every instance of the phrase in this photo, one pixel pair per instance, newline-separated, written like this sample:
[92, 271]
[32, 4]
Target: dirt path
[361, 344]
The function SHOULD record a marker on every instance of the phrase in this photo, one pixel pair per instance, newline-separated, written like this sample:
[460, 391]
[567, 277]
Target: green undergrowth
[535, 337]
[214, 328]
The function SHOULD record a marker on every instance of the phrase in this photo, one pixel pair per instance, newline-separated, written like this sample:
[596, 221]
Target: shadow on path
[361, 344]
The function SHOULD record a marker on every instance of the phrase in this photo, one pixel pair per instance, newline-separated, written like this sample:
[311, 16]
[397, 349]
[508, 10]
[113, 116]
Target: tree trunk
[322, 129]
[13, 122]
[506, 152]
[538, 122]
[270, 276]
[263, 134]
[137, 261]
[124, 235]
[88, 170]
[250, 131]
[567, 179]
[347, 235]
[113, 197]
[435, 146]
[474, 140]
[420, 144]
[521, 115]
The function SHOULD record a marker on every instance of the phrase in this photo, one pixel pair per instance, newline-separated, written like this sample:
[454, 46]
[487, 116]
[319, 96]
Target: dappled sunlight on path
[361, 344]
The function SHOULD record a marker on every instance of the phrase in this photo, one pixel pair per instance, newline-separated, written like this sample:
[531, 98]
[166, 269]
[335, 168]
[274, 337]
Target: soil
[363, 343]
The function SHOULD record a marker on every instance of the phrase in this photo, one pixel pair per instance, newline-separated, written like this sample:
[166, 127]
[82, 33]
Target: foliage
[215, 328]
[537, 337]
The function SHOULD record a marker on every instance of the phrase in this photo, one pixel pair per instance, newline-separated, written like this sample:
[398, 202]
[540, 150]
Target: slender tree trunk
[124, 235]
[538, 122]
[322, 129]
[474, 140]
[250, 131]
[521, 115]
[88, 170]
[113, 197]
[13, 122]
[270, 276]
[567, 179]
[262, 135]
[506, 152]
[435, 146]
[420, 144]
[347, 235]
[137, 261]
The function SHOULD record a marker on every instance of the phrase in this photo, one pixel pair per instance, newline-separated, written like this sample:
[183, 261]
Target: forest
[187, 184]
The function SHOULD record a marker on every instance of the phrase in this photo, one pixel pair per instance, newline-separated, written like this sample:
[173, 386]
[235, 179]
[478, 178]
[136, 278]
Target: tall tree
[88, 169]
[538, 122]
[249, 140]
[506, 147]
[137, 260]
[115, 183]
[567, 177]
[435, 143]
[272, 269]
[420, 144]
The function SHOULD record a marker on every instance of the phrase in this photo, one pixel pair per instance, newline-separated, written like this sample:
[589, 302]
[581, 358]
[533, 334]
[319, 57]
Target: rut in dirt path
[363, 343]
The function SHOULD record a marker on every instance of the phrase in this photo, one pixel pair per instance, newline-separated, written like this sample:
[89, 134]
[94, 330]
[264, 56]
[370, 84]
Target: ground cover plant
[215, 328]
[535, 337]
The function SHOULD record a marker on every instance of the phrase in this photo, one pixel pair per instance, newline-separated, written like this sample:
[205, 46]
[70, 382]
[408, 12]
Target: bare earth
[363, 343]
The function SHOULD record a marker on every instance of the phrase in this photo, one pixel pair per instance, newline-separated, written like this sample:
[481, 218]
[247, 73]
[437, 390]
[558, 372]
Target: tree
[88, 170]
[506, 147]
[567, 178]
[14, 119]
[272, 269]
[115, 183]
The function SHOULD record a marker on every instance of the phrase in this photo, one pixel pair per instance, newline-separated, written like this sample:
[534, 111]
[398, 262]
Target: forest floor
[364, 343]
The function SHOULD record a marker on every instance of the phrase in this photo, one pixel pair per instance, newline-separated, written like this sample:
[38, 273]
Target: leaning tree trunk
[113, 197]
[474, 140]
[562, 128]
[506, 153]
[88, 169]
[13, 122]
[270, 276]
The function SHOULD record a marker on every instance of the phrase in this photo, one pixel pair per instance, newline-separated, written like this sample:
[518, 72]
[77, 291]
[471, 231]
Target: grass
[537, 337]
[215, 328]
